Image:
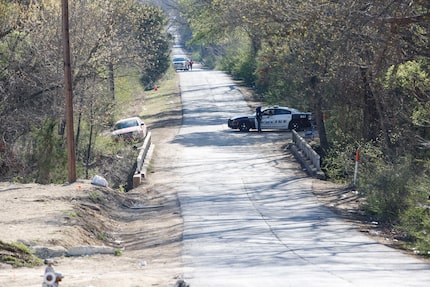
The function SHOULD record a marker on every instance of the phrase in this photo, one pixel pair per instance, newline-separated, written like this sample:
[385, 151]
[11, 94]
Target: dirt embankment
[142, 227]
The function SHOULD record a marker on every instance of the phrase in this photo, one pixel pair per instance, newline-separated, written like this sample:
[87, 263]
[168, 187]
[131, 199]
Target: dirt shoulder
[346, 202]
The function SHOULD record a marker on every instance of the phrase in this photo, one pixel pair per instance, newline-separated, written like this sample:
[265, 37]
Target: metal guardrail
[142, 160]
[307, 150]
[143, 152]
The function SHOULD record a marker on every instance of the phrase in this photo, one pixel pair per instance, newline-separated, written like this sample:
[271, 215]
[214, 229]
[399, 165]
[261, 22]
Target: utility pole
[70, 134]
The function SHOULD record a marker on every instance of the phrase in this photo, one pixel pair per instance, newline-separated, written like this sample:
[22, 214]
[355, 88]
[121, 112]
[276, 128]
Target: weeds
[18, 255]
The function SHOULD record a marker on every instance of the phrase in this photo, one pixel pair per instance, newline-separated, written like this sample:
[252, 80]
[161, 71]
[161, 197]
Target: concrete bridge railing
[309, 158]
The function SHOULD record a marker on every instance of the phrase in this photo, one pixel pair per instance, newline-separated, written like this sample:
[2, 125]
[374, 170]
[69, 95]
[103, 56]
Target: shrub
[415, 221]
[47, 154]
[387, 190]
[339, 162]
[240, 63]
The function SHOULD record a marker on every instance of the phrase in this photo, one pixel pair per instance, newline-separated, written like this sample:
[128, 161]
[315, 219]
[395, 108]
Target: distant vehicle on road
[273, 118]
[130, 129]
[181, 63]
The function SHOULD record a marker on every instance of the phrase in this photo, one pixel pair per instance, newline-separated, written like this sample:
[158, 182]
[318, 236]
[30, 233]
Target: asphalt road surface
[249, 214]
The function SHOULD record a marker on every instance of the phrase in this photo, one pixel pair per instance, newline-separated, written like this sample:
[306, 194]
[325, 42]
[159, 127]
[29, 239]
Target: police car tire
[294, 126]
[243, 127]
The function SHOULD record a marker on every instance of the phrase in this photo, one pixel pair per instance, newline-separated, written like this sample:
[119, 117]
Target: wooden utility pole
[70, 134]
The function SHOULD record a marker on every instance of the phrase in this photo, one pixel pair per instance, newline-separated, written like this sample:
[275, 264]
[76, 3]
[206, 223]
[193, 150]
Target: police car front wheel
[294, 126]
[244, 127]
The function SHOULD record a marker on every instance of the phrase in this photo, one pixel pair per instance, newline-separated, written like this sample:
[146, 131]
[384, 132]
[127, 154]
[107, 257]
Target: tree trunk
[370, 114]
[319, 115]
[88, 157]
[111, 80]
[78, 128]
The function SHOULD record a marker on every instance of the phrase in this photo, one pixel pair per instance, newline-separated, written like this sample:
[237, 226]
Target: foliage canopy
[108, 39]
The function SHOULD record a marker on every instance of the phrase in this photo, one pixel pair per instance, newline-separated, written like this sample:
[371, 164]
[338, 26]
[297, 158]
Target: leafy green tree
[107, 38]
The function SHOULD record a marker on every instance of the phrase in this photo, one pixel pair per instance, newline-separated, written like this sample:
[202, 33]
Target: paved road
[250, 217]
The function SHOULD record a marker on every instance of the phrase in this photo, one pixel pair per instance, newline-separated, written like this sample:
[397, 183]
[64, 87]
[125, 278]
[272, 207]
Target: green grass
[18, 255]
[70, 214]
[101, 236]
[95, 197]
[127, 88]
[118, 252]
[161, 100]
[133, 100]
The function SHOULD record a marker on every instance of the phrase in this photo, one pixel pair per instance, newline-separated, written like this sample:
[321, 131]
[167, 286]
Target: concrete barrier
[45, 252]
[89, 250]
[309, 158]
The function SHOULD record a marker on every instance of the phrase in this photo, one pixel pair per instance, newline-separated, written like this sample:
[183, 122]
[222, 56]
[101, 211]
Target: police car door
[268, 119]
[283, 118]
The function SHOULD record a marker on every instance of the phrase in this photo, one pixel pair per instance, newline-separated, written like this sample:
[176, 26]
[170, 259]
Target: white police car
[273, 118]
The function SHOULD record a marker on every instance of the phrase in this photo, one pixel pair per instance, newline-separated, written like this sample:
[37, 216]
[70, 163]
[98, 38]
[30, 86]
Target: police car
[273, 118]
